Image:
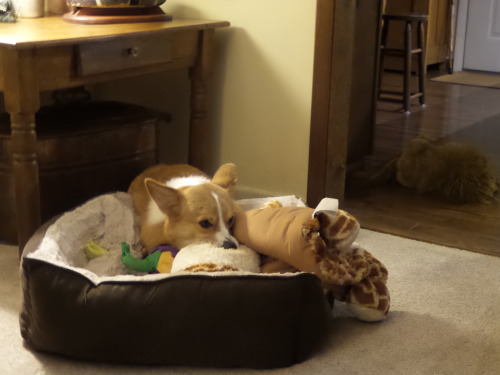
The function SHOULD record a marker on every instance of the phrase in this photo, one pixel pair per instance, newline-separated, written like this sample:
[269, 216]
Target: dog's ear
[169, 200]
[226, 176]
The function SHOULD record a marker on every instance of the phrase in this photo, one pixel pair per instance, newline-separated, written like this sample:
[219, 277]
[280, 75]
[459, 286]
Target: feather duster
[458, 172]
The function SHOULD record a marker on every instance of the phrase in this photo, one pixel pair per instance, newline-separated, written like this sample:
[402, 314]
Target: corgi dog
[180, 205]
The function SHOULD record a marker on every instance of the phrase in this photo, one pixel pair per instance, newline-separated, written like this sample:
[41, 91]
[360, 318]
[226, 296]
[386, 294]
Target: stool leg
[383, 42]
[407, 67]
[421, 63]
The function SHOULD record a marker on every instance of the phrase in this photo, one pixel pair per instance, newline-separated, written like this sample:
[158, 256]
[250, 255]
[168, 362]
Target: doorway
[460, 112]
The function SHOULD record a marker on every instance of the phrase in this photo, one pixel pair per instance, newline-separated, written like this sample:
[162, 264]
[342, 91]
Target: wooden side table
[48, 54]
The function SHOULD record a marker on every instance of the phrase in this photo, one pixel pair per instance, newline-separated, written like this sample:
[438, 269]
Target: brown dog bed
[225, 319]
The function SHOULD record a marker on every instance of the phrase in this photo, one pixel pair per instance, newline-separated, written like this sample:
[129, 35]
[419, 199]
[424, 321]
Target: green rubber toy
[159, 260]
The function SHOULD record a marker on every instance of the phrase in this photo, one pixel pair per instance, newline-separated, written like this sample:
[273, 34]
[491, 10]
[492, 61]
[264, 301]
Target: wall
[262, 84]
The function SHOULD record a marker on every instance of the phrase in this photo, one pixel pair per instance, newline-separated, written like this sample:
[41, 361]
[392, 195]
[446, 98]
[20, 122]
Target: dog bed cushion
[98, 310]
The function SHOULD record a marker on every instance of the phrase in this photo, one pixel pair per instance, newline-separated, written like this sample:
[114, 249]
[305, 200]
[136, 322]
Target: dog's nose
[228, 244]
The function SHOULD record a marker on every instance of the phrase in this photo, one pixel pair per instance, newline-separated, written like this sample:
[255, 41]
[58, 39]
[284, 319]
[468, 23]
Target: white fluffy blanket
[109, 220]
[242, 258]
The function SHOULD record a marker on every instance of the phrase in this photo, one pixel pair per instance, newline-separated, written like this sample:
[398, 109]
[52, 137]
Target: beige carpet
[471, 78]
[444, 320]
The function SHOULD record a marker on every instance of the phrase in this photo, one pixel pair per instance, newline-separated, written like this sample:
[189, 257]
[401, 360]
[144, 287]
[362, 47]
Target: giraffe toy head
[321, 242]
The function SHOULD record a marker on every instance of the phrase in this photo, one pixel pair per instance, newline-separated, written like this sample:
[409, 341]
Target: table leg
[22, 101]
[407, 66]
[198, 127]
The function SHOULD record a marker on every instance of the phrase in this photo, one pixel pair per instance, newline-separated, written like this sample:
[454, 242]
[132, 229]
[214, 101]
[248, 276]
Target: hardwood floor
[452, 111]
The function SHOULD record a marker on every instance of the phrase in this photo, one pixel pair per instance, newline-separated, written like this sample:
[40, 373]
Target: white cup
[29, 8]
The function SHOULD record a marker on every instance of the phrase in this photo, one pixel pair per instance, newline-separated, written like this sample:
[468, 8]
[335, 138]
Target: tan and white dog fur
[180, 205]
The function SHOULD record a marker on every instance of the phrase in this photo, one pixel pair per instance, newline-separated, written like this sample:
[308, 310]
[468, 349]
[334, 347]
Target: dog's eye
[230, 222]
[205, 224]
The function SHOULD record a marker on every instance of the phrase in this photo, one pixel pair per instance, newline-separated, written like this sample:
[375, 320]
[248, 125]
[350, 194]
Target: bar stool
[406, 53]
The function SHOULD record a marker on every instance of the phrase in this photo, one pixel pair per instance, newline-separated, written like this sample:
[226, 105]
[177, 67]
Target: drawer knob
[133, 51]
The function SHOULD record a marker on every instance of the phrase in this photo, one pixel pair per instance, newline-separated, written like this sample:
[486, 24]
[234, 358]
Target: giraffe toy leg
[369, 300]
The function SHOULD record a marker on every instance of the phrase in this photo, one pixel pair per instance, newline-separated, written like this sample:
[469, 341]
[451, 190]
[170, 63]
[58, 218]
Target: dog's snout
[228, 244]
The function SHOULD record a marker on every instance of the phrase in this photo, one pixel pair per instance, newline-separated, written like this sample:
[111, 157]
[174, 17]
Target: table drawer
[121, 54]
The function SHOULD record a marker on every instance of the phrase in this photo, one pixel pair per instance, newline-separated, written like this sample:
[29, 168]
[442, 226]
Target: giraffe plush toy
[319, 241]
